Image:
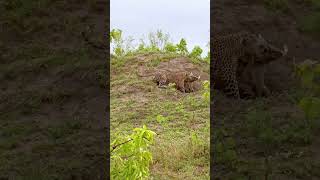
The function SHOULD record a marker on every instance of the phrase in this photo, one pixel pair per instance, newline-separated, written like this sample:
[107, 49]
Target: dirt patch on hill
[172, 66]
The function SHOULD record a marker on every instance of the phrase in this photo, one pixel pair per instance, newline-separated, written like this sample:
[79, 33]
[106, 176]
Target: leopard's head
[262, 51]
[191, 77]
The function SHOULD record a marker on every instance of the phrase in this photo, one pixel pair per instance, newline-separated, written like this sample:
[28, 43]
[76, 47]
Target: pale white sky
[189, 19]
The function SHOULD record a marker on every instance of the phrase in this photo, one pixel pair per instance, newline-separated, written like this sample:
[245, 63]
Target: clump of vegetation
[309, 74]
[277, 5]
[206, 93]
[130, 155]
[157, 42]
[170, 48]
[182, 47]
[225, 151]
[120, 46]
[199, 146]
[310, 24]
[162, 119]
[116, 38]
[196, 52]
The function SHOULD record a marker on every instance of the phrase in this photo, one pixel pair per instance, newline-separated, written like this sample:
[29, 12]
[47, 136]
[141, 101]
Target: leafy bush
[182, 47]
[206, 94]
[130, 155]
[116, 35]
[207, 58]
[170, 48]
[116, 38]
[196, 52]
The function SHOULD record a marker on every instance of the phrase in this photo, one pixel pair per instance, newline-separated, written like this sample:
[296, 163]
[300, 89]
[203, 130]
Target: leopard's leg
[231, 88]
[246, 86]
[258, 80]
[187, 87]
[227, 79]
[183, 87]
[233, 84]
[179, 85]
[162, 83]
[246, 90]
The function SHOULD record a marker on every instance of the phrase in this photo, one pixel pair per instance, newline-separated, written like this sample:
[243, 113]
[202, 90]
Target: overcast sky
[187, 19]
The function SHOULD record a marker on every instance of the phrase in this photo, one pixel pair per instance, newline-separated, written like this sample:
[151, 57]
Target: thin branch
[114, 147]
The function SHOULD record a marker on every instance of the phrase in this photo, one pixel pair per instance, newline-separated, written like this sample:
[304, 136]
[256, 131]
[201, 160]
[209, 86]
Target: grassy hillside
[180, 120]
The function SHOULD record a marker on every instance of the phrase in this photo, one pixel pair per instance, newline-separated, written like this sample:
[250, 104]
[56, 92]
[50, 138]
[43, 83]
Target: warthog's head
[262, 51]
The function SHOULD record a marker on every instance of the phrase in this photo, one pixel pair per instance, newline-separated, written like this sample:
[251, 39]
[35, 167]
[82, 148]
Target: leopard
[239, 61]
[181, 79]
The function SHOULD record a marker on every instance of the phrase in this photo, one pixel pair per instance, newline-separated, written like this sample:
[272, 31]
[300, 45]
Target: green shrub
[116, 35]
[182, 47]
[196, 52]
[130, 155]
[170, 47]
[116, 38]
[206, 93]
[207, 58]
